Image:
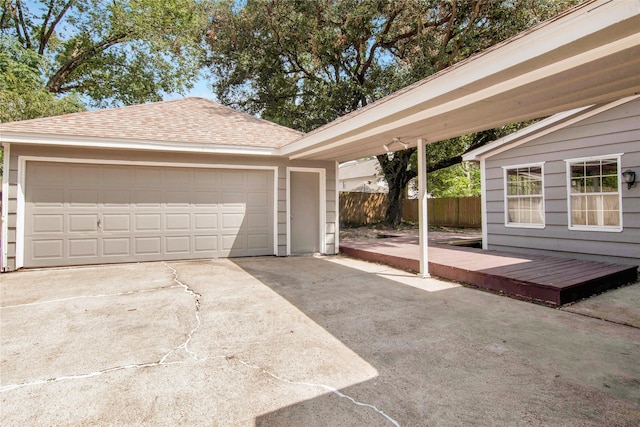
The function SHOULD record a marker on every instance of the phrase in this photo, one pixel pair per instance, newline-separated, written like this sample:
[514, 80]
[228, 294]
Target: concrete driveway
[300, 341]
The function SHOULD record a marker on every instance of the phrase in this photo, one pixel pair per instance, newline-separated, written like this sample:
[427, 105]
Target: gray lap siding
[609, 133]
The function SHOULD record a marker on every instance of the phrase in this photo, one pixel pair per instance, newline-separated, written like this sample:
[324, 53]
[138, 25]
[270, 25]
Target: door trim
[22, 174]
[322, 214]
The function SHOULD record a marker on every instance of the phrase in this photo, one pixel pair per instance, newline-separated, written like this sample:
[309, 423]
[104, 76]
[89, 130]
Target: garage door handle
[99, 223]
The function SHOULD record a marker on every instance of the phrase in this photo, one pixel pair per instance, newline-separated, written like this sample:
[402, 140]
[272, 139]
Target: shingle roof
[188, 120]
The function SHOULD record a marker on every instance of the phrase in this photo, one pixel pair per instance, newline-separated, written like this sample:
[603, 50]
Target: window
[524, 198]
[594, 193]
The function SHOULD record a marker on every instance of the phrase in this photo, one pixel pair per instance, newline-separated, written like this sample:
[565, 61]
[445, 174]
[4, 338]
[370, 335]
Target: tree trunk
[397, 174]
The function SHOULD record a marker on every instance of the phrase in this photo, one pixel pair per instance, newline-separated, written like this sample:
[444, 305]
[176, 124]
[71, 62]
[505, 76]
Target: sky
[200, 89]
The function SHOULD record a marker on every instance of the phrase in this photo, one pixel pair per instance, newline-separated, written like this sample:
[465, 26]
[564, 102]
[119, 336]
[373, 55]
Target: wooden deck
[544, 279]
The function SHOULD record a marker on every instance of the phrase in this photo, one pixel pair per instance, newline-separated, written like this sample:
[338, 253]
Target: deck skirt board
[547, 279]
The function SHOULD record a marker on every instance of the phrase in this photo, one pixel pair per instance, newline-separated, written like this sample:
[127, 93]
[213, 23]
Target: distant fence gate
[369, 208]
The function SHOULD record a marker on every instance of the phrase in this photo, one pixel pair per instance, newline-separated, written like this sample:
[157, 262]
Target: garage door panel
[148, 245]
[177, 244]
[259, 180]
[135, 213]
[257, 200]
[232, 221]
[147, 222]
[206, 243]
[148, 177]
[177, 222]
[231, 178]
[88, 175]
[116, 198]
[148, 198]
[258, 220]
[45, 174]
[117, 176]
[177, 198]
[206, 198]
[45, 197]
[233, 242]
[83, 248]
[48, 223]
[206, 177]
[234, 199]
[84, 197]
[116, 222]
[116, 246]
[48, 249]
[258, 241]
[81, 223]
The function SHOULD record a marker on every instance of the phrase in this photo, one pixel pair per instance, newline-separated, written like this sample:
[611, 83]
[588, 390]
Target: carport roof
[588, 55]
[189, 122]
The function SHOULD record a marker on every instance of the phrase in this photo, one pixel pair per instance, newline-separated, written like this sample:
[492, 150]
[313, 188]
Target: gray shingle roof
[188, 120]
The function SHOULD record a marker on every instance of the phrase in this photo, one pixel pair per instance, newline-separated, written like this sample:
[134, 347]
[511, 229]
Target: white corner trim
[336, 237]
[6, 165]
[20, 212]
[483, 202]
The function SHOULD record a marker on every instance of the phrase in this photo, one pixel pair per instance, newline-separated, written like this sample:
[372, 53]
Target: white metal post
[422, 209]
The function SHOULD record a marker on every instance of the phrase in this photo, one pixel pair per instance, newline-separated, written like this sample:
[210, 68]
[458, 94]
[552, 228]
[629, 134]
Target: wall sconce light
[629, 177]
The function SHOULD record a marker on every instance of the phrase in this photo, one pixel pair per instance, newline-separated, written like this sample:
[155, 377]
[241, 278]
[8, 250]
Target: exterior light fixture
[629, 177]
[395, 140]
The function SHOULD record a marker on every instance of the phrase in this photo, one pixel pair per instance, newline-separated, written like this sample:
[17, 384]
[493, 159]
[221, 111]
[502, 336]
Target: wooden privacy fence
[369, 208]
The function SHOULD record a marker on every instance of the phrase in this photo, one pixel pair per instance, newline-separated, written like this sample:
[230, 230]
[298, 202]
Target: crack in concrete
[184, 346]
[197, 297]
[317, 385]
[163, 361]
[140, 291]
[83, 376]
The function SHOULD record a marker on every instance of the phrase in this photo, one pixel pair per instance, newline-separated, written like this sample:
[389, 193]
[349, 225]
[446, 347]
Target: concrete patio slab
[620, 305]
[299, 341]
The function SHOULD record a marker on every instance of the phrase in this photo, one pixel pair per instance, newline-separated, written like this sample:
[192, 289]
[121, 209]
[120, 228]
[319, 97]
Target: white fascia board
[584, 21]
[131, 144]
[544, 127]
[466, 98]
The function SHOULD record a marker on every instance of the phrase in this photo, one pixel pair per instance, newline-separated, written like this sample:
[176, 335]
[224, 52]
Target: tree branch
[22, 25]
[44, 40]
[59, 78]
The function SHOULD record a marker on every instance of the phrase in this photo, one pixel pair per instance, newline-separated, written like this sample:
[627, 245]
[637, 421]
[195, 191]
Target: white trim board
[323, 205]
[5, 205]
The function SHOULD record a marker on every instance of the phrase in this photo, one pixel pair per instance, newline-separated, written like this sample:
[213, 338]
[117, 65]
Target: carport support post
[423, 221]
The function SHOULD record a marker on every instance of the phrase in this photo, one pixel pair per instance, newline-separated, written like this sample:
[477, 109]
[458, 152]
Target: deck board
[547, 279]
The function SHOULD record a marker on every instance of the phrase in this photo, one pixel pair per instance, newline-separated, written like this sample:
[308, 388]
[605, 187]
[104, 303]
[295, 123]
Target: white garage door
[91, 214]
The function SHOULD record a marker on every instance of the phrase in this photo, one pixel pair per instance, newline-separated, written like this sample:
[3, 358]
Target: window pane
[610, 167]
[610, 184]
[577, 185]
[578, 208]
[592, 168]
[577, 170]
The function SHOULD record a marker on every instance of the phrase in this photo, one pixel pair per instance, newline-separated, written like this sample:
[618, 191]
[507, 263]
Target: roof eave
[544, 127]
[134, 144]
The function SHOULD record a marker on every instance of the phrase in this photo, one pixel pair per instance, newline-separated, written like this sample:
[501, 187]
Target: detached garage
[183, 179]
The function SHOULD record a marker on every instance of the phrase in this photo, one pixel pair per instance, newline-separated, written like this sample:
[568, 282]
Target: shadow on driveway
[456, 356]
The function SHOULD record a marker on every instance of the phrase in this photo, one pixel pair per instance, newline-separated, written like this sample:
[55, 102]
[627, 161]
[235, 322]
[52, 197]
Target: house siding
[608, 133]
[17, 150]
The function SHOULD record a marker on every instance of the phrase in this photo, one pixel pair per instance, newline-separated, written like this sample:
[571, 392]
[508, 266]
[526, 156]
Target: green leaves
[22, 94]
[111, 52]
